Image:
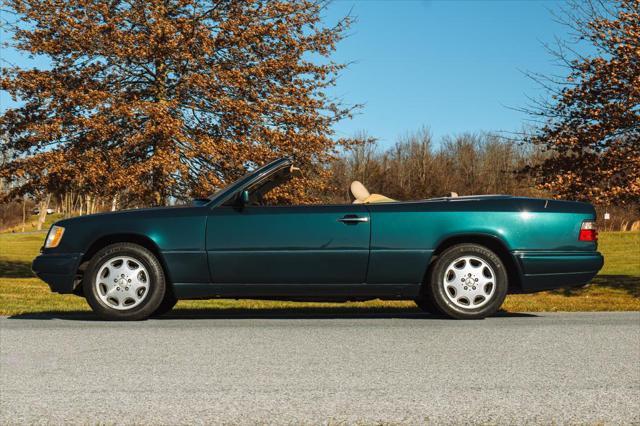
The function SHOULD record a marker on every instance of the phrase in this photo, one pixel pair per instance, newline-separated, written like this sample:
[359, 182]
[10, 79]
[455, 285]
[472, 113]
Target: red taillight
[588, 231]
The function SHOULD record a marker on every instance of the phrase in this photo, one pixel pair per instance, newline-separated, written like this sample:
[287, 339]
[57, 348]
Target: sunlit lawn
[31, 224]
[617, 288]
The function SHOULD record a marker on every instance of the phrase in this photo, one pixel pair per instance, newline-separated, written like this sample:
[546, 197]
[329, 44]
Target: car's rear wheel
[124, 281]
[468, 281]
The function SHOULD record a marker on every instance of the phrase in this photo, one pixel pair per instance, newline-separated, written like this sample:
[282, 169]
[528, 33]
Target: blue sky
[452, 66]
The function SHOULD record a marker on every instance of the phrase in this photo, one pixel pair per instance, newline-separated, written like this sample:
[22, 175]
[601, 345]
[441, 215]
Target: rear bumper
[542, 270]
[57, 270]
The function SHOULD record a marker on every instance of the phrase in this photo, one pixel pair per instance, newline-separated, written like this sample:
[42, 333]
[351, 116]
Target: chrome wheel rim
[122, 283]
[469, 282]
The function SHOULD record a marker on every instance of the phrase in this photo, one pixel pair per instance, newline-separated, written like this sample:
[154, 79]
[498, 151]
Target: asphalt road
[543, 368]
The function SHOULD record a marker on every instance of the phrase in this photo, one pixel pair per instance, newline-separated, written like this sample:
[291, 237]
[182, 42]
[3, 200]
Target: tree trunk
[114, 203]
[44, 206]
[77, 204]
[24, 212]
[67, 204]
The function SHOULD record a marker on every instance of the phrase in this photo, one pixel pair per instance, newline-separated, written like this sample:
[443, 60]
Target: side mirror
[243, 199]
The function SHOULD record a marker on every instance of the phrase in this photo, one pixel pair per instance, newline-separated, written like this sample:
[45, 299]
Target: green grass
[32, 224]
[17, 251]
[622, 253]
[616, 288]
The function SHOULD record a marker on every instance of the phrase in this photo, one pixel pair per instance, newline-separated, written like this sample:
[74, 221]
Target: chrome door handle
[353, 219]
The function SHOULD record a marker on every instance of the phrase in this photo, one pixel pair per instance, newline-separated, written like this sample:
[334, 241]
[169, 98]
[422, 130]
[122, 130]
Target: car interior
[362, 195]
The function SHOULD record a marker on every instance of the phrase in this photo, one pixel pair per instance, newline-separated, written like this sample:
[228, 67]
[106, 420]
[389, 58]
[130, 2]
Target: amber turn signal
[54, 237]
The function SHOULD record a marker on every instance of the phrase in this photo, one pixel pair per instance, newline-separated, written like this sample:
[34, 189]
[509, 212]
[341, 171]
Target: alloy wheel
[469, 282]
[122, 283]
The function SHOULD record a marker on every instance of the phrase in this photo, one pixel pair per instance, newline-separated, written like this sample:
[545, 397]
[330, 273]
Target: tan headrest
[295, 171]
[359, 192]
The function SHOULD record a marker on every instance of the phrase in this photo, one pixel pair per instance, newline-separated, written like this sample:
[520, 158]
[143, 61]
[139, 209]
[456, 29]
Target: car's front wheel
[167, 304]
[468, 281]
[124, 281]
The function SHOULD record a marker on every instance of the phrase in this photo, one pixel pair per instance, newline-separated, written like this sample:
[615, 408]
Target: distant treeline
[416, 167]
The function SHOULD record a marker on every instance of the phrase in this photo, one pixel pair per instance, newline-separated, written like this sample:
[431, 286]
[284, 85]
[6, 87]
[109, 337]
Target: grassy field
[31, 224]
[617, 288]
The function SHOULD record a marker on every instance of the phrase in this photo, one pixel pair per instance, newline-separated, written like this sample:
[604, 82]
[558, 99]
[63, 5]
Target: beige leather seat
[362, 195]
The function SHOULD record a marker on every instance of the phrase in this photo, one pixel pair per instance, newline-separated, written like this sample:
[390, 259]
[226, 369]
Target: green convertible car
[455, 256]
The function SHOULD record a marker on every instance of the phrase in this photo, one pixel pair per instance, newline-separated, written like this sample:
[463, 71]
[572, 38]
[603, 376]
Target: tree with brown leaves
[591, 127]
[169, 98]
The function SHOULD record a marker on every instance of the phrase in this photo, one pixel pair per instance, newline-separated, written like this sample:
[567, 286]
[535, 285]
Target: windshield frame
[224, 194]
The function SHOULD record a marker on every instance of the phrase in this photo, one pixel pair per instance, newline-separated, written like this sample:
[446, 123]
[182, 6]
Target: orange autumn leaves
[592, 128]
[149, 100]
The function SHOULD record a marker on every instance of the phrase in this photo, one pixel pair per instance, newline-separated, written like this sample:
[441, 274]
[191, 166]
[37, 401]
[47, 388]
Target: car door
[288, 244]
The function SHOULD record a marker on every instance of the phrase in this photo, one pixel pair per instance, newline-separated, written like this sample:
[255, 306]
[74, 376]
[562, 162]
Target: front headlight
[54, 237]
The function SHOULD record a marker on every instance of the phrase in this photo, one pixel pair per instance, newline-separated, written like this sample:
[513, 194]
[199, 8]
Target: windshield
[234, 183]
[240, 182]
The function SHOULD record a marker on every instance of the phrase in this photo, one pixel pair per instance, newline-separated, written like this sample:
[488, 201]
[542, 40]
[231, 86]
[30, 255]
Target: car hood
[149, 212]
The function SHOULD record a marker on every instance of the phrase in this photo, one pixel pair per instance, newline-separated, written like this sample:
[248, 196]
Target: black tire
[445, 300]
[167, 304]
[153, 294]
[427, 304]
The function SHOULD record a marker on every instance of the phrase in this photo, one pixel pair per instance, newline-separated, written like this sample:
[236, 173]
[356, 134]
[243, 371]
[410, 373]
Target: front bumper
[57, 270]
[546, 270]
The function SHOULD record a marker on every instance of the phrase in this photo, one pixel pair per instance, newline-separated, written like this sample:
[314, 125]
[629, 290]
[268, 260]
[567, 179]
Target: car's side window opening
[264, 193]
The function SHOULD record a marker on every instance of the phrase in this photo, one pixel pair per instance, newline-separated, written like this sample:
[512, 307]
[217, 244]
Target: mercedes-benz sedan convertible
[454, 256]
